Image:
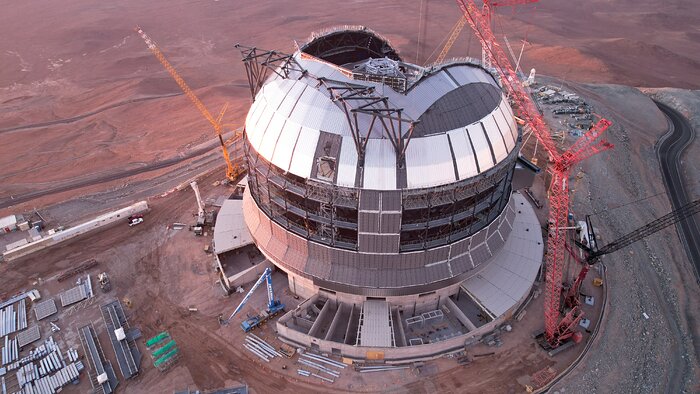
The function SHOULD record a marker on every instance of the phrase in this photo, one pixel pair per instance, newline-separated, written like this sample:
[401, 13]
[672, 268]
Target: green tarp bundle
[157, 339]
[164, 349]
[165, 358]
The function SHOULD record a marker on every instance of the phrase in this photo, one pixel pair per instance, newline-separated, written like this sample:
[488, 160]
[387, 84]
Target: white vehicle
[134, 221]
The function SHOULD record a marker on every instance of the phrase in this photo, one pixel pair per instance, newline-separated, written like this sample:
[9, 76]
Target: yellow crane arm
[453, 37]
[231, 172]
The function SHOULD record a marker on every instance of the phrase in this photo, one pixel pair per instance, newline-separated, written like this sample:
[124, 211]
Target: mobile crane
[593, 253]
[273, 306]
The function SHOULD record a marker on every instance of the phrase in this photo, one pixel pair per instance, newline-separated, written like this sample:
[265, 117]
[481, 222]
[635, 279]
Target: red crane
[487, 13]
[557, 329]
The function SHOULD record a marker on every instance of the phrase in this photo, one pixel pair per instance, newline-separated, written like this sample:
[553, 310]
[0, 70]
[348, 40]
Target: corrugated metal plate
[441, 82]
[429, 162]
[500, 150]
[257, 132]
[303, 157]
[464, 74]
[292, 97]
[481, 146]
[507, 112]
[319, 69]
[504, 127]
[287, 140]
[427, 96]
[464, 156]
[276, 91]
[269, 140]
[254, 113]
[380, 165]
[347, 163]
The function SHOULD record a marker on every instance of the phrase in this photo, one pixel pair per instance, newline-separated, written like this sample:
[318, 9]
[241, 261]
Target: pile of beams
[260, 348]
[12, 320]
[10, 352]
[322, 364]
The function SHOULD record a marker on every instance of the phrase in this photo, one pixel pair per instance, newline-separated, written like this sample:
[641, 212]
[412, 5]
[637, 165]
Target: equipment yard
[384, 218]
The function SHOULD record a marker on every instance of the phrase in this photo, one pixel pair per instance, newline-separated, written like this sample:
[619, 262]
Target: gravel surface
[623, 190]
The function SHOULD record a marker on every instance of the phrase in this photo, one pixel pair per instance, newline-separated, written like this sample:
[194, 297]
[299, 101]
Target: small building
[8, 224]
[238, 259]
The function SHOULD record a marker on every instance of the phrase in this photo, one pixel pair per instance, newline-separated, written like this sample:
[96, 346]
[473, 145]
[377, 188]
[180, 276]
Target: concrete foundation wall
[395, 354]
[246, 276]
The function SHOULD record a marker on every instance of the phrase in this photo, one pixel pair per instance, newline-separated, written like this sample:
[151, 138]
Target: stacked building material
[45, 309]
[10, 352]
[103, 377]
[164, 353]
[122, 338]
[11, 319]
[28, 336]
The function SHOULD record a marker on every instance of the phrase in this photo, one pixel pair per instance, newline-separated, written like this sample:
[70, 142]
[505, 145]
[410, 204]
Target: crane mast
[557, 329]
[231, 170]
[486, 11]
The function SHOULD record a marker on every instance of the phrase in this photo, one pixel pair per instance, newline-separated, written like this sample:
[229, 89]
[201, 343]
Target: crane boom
[267, 275]
[231, 170]
[650, 228]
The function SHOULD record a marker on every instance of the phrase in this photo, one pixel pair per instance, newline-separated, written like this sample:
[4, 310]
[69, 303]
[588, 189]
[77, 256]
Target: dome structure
[372, 176]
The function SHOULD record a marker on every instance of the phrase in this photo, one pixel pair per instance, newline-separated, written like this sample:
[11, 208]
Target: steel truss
[260, 62]
[360, 99]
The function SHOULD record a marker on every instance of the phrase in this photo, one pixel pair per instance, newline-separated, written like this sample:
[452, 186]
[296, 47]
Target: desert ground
[85, 107]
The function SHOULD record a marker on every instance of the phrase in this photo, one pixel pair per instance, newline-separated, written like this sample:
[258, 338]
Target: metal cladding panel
[276, 91]
[492, 228]
[254, 112]
[438, 254]
[391, 201]
[390, 223]
[269, 140]
[303, 157]
[504, 127]
[441, 82]
[427, 95]
[500, 150]
[464, 156]
[461, 264]
[481, 146]
[347, 163]
[495, 242]
[429, 162]
[278, 242]
[411, 260]
[320, 69]
[486, 78]
[479, 237]
[369, 200]
[368, 222]
[287, 106]
[311, 109]
[460, 247]
[464, 74]
[264, 232]
[507, 112]
[257, 132]
[480, 254]
[285, 145]
[380, 165]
